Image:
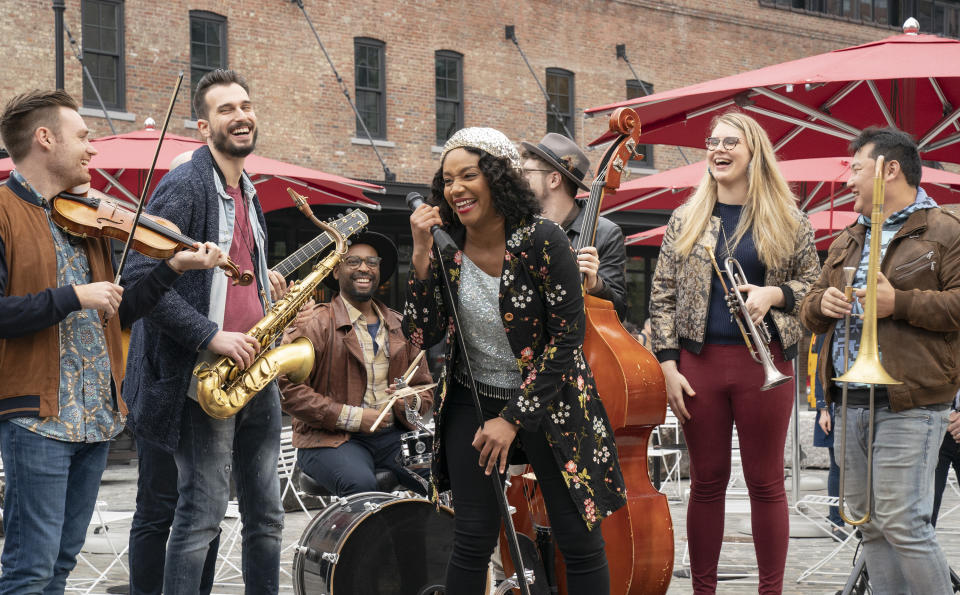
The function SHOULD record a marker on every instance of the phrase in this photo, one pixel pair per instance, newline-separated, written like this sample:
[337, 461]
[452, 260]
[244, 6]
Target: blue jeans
[247, 444]
[350, 468]
[51, 493]
[899, 543]
[156, 503]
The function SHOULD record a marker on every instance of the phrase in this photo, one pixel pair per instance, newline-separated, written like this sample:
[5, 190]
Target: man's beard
[222, 144]
[350, 290]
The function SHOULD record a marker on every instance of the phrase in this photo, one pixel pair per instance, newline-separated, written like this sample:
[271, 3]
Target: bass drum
[374, 544]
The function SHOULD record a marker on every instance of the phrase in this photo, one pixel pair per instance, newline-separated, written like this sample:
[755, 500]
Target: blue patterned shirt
[889, 229]
[88, 409]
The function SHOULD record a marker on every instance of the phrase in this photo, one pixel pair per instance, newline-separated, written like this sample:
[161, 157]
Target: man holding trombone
[896, 413]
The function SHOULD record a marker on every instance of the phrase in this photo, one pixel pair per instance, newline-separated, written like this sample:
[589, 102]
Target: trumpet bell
[773, 378]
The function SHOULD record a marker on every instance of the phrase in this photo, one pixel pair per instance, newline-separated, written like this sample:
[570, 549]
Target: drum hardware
[371, 507]
[511, 583]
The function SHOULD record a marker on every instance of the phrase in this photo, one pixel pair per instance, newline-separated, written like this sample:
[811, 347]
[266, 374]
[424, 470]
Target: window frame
[457, 57]
[120, 82]
[207, 17]
[571, 114]
[381, 92]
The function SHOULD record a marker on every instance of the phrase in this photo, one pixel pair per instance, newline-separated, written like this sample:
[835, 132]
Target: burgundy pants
[727, 382]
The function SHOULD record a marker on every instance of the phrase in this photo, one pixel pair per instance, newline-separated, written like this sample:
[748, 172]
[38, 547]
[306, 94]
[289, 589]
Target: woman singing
[516, 287]
[742, 208]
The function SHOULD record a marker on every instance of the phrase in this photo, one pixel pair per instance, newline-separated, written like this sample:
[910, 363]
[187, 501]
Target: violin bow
[146, 186]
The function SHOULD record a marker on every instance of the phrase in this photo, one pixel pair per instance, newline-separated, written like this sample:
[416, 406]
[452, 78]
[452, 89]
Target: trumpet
[759, 345]
[866, 369]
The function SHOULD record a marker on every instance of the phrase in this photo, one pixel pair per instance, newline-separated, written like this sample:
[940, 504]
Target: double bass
[638, 536]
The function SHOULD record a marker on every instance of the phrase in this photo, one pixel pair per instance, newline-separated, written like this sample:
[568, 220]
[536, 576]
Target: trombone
[867, 368]
[759, 346]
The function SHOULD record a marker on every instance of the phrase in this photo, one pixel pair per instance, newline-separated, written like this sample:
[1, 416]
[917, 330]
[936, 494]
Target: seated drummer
[360, 350]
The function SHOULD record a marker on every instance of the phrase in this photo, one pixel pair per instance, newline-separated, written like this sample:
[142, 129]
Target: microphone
[442, 239]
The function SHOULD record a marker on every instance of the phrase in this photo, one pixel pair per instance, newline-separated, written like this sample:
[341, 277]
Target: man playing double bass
[918, 298]
[555, 168]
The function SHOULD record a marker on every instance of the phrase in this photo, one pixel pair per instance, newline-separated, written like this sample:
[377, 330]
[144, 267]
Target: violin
[639, 536]
[100, 217]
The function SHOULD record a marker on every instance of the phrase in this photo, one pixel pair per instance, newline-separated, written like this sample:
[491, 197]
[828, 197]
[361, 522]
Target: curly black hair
[512, 196]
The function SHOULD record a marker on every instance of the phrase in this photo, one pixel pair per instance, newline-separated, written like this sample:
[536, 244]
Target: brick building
[422, 68]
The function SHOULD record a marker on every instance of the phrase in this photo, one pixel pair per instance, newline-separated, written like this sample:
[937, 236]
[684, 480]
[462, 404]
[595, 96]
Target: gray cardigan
[165, 344]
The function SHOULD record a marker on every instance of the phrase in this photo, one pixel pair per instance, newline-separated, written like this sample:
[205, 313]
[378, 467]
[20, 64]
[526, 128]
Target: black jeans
[949, 455]
[477, 514]
[156, 503]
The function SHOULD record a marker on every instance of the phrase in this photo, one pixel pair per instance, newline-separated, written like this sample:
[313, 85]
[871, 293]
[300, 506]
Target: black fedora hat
[563, 155]
[385, 248]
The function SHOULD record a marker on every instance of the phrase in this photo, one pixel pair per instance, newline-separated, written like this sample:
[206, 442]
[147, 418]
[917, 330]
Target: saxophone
[223, 390]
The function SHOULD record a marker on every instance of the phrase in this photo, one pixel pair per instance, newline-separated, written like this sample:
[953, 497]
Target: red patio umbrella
[826, 226]
[120, 169]
[814, 106]
[820, 184]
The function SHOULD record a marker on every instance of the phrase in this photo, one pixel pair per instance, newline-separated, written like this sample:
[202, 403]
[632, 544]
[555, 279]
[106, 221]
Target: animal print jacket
[680, 296]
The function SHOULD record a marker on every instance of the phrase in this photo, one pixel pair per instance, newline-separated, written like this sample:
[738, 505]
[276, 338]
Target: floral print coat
[541, 306]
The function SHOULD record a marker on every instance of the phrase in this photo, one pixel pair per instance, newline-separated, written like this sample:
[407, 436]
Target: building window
[636, 89]
[560, 91]
[102, 25]
[938, 17]
[449, 83]
[208, 46]
[371, 74]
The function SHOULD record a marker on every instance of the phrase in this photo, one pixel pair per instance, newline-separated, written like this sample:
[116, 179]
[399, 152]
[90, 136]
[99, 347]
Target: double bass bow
[639, 536]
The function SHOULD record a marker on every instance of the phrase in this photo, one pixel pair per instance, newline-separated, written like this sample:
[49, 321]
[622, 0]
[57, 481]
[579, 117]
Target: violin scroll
[232, 272]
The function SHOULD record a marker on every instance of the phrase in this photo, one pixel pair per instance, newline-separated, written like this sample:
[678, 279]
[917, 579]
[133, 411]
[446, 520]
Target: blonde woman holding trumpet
[744, 210]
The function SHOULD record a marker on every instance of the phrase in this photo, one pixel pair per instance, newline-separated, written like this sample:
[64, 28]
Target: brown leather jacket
[918, 342]
[339, 375]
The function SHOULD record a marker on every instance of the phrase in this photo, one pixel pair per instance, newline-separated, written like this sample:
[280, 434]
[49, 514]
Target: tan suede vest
[30, 365]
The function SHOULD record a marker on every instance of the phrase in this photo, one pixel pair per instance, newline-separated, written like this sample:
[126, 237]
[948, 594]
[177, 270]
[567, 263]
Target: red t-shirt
[243, 308]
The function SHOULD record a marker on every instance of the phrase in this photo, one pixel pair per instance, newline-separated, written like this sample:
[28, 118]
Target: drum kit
[376, 542]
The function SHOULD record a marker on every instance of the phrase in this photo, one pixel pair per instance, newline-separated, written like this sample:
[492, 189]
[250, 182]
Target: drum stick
[411, 390]
[412, 369]
[383, 413]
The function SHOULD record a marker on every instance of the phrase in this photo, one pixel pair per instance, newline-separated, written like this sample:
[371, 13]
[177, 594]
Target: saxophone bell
[223, 389]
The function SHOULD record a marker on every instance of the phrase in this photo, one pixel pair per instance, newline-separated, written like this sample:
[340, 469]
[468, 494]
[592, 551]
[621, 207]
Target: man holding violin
[60, 343]
[917, 300]
[203, 318]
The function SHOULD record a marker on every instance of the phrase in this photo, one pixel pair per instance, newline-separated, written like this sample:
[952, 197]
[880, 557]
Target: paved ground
[119, 488]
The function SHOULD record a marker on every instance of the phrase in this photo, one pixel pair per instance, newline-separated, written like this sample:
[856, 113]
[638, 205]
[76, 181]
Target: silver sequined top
[489, 350]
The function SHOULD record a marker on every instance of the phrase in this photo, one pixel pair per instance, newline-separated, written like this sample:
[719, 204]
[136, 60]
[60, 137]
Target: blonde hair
[770, 210]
